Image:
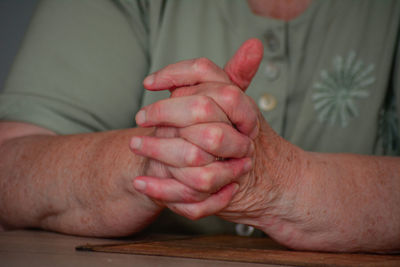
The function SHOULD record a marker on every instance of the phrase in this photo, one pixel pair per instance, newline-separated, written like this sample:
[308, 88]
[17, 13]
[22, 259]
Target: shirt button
[244, 230]
[272, 41]
[272, 71]
[267, 102]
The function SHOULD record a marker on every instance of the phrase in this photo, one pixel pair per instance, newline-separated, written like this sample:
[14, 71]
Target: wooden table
[39, 248]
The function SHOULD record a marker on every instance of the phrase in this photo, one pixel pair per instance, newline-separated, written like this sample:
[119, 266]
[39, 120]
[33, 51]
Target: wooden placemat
[242, 249]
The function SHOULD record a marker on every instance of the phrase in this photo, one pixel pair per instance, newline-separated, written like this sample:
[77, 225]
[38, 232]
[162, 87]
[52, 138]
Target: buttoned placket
[272, 77]
[269, 87]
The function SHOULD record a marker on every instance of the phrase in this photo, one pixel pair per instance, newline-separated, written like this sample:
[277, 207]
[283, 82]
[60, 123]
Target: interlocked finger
[239, 108]
[184, 73]
[214, 176]
[167, 190]
[217, 139]
[181, 112]
[171, 151]
[211, 205]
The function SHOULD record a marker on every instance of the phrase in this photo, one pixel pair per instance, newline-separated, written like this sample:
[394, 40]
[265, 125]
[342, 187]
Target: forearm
[73, 184]
[348, 203]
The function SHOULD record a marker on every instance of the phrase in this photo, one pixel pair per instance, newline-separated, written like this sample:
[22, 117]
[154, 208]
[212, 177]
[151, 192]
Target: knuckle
[205, 181]
[231, 95]
[213, 137]
[202, 108]
[203, 65]
[193, 156]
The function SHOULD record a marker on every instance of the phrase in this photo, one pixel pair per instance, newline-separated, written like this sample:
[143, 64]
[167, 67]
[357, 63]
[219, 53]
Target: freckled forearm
[54, 182]
[350, 203]
[317, 201]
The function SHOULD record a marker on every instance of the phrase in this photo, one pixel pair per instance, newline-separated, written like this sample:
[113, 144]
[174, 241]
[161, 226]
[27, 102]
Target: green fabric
[81, 66]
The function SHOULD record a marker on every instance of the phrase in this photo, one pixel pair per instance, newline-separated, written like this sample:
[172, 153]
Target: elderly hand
[209, 116]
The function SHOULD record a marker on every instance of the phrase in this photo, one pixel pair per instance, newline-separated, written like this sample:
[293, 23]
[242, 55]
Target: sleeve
[80, 67]
[389, 124]
[395, 147]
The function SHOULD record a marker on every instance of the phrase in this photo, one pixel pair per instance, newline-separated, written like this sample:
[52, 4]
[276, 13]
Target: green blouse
[329, 80]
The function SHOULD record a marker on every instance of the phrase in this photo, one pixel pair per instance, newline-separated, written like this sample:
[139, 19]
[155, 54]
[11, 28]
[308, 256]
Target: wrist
[268, 195]
[281, 169]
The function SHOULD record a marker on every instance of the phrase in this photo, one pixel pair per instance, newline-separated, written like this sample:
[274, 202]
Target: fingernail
[139, 185]
[141, 117]
[149, 80]
[136, 143]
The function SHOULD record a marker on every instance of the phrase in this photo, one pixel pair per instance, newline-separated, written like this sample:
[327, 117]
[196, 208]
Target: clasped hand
[208, 117]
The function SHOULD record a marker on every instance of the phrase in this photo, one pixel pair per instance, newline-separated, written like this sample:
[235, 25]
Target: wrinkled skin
[220, 120]
[304, 200]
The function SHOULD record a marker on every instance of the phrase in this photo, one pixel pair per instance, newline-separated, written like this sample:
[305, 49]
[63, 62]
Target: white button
[272, 71]
[267, 102]
[244, 230]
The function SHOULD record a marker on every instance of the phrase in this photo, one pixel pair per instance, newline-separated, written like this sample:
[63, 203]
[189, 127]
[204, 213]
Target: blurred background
[14, 19]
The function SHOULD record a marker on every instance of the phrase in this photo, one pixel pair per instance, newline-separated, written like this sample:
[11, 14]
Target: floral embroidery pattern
[336, 93]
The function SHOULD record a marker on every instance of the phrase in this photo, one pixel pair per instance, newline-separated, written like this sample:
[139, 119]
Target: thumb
[242, 67]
